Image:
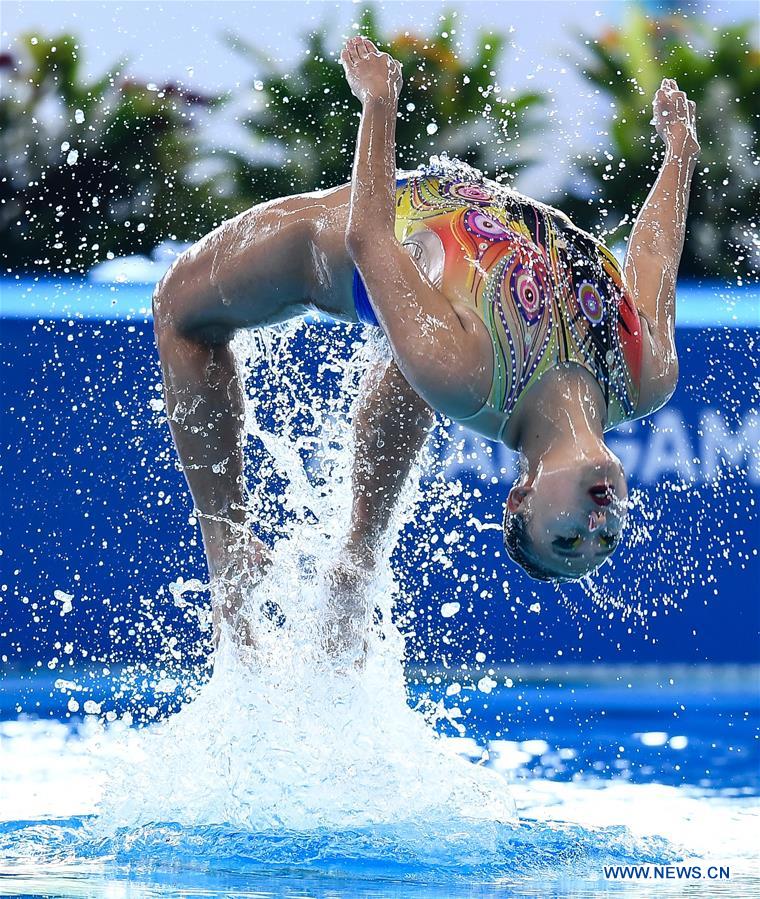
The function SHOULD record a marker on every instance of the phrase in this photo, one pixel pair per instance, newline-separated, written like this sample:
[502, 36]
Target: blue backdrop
[94, 507]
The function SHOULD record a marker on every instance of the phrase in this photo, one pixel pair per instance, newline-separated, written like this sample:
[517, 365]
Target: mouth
[601, 494]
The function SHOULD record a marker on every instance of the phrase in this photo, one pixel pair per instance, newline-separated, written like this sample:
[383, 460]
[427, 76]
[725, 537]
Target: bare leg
[204, 403]
[391, 424]
[252, 271]
[266, 266]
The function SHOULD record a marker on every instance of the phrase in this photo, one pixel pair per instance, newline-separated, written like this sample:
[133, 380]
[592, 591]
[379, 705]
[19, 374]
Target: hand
[370, 73]
[675, 119]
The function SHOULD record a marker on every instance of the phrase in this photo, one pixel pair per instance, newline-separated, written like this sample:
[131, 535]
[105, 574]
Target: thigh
[266, 265]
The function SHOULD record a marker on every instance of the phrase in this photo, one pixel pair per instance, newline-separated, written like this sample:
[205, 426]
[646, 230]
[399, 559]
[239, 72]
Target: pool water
[605, 767]
[456, 774]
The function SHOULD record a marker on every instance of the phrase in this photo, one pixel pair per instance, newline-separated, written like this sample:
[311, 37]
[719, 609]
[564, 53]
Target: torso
[548, 292]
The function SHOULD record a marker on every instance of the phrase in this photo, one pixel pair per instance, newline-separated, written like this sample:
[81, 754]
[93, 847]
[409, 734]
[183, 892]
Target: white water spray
[285, 735]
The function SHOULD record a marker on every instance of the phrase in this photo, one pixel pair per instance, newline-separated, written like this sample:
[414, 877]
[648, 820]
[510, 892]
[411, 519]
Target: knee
[165, 330]
[166, 337]
[165, 310]
[173, 298]
[173, 325]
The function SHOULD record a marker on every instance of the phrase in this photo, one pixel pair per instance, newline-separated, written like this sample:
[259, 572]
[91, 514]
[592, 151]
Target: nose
[597, 519]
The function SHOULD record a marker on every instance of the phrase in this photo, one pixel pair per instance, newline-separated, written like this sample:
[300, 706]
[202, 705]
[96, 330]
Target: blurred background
[175, 121]
[130, 129]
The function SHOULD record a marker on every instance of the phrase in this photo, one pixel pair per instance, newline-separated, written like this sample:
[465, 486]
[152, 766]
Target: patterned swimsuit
[548, 292]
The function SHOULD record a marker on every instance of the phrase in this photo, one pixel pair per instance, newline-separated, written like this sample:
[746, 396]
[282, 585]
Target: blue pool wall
[87, 467]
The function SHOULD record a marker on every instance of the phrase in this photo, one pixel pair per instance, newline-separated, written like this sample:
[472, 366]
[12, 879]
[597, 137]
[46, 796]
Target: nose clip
[596, 520]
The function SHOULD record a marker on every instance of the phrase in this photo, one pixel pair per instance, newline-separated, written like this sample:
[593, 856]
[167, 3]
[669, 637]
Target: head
[563, 519]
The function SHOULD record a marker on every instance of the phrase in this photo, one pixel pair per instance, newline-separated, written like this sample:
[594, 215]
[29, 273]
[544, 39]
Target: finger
[371, 48]
[351, 48]
[361, 49]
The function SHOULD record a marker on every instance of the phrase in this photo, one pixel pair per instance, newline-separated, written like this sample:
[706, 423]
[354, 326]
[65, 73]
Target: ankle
[361, 554]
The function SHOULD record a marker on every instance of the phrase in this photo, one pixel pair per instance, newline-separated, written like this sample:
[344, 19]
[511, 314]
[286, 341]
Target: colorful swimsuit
[548, 292]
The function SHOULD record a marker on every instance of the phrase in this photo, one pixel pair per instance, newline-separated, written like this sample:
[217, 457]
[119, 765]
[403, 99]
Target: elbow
[356, 242]
[660, 390]
[670, 380]
[669, 370]
[364, 243]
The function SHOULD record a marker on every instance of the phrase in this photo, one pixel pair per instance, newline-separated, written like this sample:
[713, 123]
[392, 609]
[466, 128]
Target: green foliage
[720, 70]
[89, 169]
[304, 121]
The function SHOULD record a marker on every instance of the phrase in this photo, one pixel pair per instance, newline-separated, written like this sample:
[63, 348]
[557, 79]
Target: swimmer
[499, 312]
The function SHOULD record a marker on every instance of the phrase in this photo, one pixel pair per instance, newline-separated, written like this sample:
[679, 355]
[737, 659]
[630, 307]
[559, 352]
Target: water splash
[281, 739]
[285, 758]
[283, 735]
[288, 756]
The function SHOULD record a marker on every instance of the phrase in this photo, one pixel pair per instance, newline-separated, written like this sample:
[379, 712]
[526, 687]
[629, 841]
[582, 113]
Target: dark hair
[518, 545]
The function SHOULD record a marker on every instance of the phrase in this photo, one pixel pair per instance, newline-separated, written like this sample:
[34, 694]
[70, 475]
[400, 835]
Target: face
[576, 511]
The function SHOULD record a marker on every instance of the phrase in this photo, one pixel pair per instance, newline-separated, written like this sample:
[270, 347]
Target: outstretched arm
[656, 243]
[442, 348]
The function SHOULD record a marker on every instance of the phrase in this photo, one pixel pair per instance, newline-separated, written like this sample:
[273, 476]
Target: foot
[348, 611]
[237, 564]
